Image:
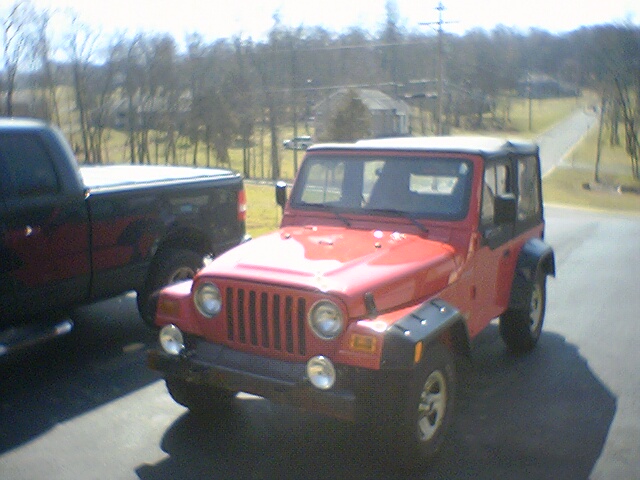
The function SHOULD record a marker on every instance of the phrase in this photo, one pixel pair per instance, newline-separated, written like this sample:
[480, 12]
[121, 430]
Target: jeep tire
[426, 409]
[520, 329]
[173, 265]
[201, 400]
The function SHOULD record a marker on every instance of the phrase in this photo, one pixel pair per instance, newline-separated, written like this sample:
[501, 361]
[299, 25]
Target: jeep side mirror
[281, 194]
[505, 209]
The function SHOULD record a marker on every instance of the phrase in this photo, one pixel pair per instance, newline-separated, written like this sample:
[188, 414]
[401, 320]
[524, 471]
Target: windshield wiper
[400, 213]
[329, 208]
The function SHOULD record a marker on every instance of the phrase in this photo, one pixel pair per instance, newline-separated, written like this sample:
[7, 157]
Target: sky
[215, 19]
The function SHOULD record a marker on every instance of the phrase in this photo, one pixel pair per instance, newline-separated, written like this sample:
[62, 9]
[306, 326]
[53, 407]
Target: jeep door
[495, 257]
[518, 178]
[44, 249]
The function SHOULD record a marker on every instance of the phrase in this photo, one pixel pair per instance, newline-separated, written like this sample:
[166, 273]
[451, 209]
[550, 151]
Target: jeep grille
[265, 320]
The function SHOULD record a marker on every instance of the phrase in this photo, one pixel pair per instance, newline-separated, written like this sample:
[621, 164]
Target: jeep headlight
[326, 320]
[208, 300]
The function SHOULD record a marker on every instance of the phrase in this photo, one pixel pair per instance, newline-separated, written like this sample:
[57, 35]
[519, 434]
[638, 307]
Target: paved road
[594, 305]
[556, 142]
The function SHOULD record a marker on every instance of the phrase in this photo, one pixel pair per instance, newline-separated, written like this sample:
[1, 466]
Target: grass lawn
[565, 184]
[263, 214]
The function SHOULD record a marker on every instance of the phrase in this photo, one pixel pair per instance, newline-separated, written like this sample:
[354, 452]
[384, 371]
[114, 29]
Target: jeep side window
[496, 182]
[528, 189]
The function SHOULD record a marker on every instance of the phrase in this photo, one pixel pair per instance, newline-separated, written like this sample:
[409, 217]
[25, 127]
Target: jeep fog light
[321, 372]
[171, 340]
[325, 319]
[208, 300]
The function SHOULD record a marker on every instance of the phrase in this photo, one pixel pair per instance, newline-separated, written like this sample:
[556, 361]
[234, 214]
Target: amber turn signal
[363, 343]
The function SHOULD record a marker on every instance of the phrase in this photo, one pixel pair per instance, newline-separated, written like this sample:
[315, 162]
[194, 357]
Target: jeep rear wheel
[427, 410]
[201, 400]
[521, 329]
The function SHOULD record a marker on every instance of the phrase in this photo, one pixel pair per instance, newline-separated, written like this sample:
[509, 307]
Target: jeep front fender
[427, 324]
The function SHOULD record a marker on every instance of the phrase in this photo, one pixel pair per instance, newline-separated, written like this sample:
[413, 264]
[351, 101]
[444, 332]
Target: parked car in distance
[392, 256]
[298, 143]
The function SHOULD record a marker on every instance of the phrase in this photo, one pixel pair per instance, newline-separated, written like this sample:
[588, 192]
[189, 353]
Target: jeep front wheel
[201, 400]
[427, 409]
[521, 329]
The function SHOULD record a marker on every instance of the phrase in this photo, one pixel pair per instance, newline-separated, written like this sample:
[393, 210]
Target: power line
[440, 8]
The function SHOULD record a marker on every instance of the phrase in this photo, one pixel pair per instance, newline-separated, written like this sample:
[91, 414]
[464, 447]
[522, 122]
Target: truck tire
[172, 266]
[520, 329]
[426, 412]
[201, 400]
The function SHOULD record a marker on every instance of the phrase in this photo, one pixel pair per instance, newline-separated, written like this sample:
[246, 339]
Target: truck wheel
[427, 411]
[173, 266]
[520, 329]
[201, 400]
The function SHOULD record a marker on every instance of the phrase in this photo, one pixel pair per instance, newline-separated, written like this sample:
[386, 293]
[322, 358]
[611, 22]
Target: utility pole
[440, 8]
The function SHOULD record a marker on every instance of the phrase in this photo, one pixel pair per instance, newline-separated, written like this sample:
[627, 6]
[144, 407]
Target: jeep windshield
[415, 187]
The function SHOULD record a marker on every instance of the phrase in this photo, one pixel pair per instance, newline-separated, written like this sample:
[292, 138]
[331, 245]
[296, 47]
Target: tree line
[214, 96]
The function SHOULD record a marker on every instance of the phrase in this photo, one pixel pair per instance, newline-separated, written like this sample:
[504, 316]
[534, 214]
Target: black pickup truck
[72, 236]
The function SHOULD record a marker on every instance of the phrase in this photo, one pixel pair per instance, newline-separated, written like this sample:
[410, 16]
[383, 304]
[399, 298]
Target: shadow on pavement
[540, 416]
[100, 360]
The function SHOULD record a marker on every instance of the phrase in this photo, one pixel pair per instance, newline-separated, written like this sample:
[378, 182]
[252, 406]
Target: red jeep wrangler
[392, 256]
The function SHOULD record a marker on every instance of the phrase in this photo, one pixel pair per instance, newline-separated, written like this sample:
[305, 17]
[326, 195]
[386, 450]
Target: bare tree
[48, 81]
[17, 38]
[243, 101]
[615, 61]
[81, 42]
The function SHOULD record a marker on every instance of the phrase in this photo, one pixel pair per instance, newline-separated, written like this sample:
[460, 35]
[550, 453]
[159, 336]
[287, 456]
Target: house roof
[374, 100]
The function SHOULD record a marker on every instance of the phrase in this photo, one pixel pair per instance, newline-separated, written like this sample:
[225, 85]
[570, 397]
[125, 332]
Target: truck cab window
[26, 166]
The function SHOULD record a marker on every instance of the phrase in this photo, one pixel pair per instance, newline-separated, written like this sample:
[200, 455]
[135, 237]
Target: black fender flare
[426, 324]
[536, 255]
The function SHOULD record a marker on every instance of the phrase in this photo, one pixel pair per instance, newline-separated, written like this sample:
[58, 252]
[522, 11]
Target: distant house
[146, 112]
[389, 117]
[544, 86]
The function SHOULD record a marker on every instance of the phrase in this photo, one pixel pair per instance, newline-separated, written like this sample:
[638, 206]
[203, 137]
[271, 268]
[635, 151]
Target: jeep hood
[397, 268]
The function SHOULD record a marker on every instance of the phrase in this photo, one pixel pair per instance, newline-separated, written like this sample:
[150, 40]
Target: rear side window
[496, 183]
[528, 189]
[26, 167]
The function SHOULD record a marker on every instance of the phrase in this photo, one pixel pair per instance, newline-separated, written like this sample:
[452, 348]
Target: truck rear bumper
[275, 380]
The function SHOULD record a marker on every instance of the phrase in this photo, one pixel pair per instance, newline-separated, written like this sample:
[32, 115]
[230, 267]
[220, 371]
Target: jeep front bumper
[276, 380]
